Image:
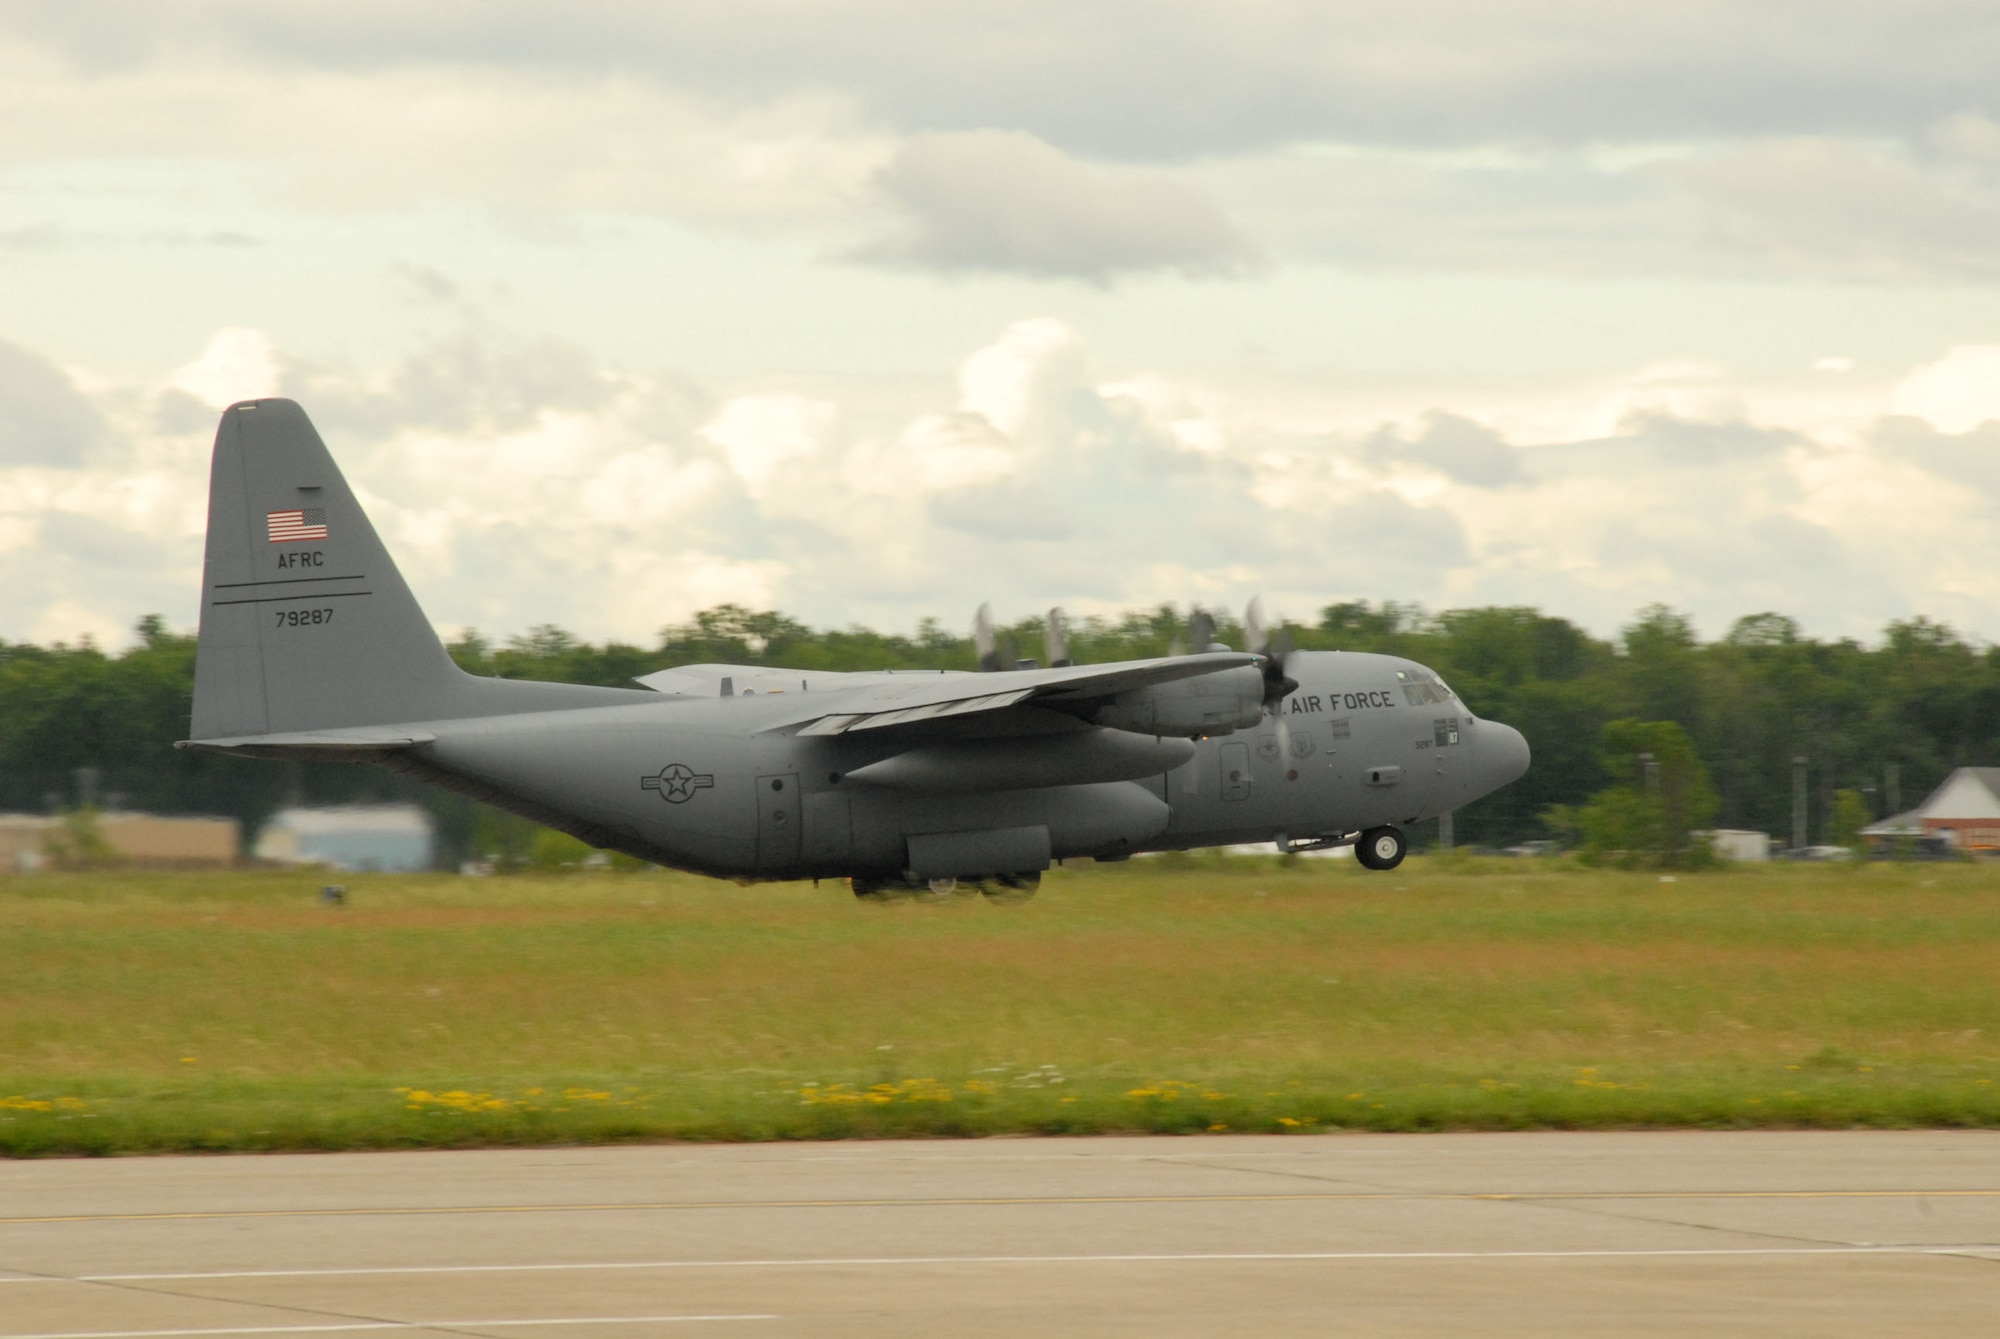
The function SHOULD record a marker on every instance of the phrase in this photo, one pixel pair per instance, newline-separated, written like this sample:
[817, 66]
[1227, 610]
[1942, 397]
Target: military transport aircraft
[312, 646]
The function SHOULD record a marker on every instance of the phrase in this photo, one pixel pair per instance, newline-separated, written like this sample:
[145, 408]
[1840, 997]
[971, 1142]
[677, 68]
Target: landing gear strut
[1381, 848]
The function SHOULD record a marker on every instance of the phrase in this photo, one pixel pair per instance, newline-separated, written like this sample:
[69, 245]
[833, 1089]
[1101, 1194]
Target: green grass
[152, 1011]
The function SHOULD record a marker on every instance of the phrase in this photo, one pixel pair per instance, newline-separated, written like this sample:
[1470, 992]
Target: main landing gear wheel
[877, 890]
[1011, 889]
[1381, 848]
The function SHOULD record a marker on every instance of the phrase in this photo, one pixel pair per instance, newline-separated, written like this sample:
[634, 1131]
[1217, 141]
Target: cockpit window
[1422, 689]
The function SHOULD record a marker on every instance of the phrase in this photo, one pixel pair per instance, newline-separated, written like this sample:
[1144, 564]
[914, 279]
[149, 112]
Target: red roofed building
[1963, 813]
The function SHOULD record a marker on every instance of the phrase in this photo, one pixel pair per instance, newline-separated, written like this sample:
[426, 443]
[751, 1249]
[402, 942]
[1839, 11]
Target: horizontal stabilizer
[360, 744]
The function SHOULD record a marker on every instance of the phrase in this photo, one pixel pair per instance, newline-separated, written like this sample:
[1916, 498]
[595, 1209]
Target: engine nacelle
[1207, 704]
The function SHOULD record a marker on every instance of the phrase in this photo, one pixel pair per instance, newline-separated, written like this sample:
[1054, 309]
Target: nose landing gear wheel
[1381, 848]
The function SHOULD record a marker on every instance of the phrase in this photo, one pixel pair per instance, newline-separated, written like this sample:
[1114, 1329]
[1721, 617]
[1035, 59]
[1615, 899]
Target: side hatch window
[1447, 731]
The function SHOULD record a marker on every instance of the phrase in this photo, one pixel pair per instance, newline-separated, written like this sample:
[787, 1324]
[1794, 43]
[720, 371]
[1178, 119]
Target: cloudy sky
[875, 310]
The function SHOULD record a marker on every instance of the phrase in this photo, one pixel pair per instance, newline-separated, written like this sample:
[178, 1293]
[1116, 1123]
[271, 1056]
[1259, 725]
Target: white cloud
[1614, 140]
[1145, 81]
[1958, 392]
[669, 588]
[1005, 202]
[936, 453]
[71, 622]
[649, 487]
[1814, 204]
[1035, 481]
[1025, 373]
[339, 140]
[764, 435]
[1460, 449]
[1539, 322]
[237, 364]
[44, 418]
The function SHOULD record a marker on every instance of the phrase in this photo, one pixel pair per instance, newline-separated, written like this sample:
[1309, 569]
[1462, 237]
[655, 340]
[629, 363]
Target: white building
[390, 838]
[1740, 844]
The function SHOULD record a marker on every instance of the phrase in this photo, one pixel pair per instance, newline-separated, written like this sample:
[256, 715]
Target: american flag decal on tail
[289, 527]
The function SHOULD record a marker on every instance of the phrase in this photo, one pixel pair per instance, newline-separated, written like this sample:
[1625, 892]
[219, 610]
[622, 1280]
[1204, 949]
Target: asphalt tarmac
[1826, 1233]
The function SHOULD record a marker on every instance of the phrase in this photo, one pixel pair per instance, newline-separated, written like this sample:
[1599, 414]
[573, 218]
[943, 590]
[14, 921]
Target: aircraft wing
[904, 700]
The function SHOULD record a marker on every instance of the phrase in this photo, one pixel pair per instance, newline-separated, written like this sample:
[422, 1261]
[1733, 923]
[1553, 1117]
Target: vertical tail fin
[305, 622]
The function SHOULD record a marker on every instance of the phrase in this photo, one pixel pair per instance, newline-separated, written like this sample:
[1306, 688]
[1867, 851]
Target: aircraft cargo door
[778, 825]
[1235, 771]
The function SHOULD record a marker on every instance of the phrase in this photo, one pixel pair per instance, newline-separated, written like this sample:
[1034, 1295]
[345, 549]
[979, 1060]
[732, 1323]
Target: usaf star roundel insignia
[677, 782]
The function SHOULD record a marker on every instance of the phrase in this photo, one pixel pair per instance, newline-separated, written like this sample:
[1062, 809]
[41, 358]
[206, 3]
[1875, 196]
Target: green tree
[1924, 699]
[1850, 815]
[1661, 657]
[1663, 796]
[80, 842]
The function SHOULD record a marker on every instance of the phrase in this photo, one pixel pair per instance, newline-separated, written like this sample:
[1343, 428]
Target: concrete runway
[1847, 1233]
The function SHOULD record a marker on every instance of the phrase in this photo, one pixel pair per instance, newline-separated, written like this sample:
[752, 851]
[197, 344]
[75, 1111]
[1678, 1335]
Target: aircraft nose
[1503, 754]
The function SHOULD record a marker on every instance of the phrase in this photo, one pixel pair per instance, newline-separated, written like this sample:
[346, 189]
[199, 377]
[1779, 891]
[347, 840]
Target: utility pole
[1649, 780]
[1799, 802]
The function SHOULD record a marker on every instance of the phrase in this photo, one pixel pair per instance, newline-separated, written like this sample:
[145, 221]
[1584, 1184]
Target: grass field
[152, 1012]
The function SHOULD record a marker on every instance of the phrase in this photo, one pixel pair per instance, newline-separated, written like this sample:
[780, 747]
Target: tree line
[1885, 722]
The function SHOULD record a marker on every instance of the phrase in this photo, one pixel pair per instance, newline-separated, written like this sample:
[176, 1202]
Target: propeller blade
[1272, 649]
[983, 640]
[1278, 685]
[1201, 630]
[1055, 638]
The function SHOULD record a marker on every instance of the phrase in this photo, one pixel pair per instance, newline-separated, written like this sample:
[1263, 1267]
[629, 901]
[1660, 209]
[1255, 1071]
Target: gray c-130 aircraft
[313, 647]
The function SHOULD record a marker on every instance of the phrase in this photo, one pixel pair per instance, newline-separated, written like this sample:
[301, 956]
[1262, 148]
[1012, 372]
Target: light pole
[1799, 802]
